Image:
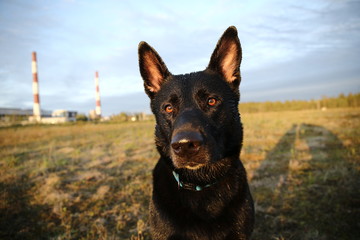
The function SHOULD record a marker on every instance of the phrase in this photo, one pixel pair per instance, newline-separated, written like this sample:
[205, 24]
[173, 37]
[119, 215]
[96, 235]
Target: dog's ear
[153, 70]
[226, 57]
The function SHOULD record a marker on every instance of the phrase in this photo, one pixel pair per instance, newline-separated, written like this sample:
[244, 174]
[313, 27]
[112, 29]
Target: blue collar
[190, 186]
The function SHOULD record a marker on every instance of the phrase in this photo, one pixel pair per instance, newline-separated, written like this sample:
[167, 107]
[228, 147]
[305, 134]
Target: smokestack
[35, 85]
[97, 97]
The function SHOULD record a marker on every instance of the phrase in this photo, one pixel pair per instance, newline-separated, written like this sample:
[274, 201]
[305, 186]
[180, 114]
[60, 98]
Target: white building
[60, 116]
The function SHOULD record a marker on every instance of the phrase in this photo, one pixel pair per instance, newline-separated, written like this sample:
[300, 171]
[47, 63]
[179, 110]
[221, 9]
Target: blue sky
[291, 49]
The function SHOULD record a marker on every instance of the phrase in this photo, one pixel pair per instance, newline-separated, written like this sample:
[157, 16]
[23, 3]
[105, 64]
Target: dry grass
[93, 181]
[304, 173]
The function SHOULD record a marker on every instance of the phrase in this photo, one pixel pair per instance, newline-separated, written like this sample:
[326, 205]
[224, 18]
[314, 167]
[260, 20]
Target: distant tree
[81, 118]
[121, 117]
[341, 101]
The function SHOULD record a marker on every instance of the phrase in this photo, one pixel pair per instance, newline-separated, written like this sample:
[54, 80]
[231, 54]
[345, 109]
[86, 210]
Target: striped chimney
[97, 97]
[35, 86]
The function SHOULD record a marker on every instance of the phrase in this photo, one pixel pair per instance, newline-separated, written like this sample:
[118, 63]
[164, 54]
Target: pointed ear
[153, 70]
[226, 57]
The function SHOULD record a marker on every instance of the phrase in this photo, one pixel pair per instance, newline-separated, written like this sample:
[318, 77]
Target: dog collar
[190, 186]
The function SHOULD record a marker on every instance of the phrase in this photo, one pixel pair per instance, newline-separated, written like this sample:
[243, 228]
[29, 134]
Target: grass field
[93, 181]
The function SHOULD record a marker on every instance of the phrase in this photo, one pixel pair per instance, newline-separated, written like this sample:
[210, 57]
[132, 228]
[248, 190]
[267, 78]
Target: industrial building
[36, 115]
[60, 116]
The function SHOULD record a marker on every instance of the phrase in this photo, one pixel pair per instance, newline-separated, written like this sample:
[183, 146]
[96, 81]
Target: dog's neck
[191, 186]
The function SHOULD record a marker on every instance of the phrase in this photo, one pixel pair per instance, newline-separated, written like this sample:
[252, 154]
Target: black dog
[200, 190]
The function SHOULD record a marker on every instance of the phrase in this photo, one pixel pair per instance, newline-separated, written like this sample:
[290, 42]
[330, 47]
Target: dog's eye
[169, 108]
[212, 101]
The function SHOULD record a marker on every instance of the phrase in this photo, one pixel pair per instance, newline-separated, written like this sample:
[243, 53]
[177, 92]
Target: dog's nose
[186, 143]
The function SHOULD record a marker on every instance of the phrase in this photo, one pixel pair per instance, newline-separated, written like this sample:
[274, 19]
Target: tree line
[341, 101]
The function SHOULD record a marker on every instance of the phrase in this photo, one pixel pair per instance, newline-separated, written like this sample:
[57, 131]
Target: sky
[292, 50]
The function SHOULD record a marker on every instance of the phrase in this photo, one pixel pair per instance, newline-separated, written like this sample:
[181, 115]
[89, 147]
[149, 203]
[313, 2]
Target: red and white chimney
[35, 86]
[97, 96]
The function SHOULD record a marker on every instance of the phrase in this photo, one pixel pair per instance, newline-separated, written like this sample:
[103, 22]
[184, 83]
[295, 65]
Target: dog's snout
[187, 143]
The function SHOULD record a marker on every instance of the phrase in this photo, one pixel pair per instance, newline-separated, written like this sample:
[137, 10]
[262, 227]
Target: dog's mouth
[191, 164]
[194, 166]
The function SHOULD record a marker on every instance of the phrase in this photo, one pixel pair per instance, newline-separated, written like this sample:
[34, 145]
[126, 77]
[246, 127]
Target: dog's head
[196, 114]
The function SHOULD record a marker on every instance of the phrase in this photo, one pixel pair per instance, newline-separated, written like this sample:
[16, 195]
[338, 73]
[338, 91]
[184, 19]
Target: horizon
[322, 98]
[290, 51]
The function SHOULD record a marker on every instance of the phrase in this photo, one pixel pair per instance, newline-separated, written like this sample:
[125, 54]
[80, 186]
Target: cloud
[282, 36]
[317, 74]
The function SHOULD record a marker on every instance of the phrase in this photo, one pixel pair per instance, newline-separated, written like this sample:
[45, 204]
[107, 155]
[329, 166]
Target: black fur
[199, 138]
